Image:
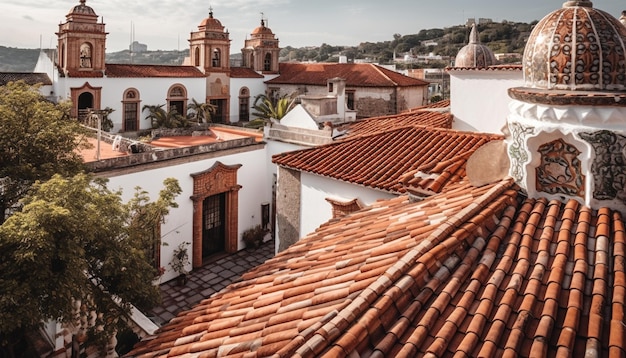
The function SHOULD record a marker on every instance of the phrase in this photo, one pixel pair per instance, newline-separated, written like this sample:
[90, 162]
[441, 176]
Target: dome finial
[473, 38]
[82, 2]
[583, 3]
[210, 12]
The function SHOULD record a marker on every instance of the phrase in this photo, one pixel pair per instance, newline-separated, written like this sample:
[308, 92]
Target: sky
[167, 24]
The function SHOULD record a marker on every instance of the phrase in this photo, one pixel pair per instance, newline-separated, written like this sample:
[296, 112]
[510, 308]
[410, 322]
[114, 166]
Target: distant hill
[501, 37]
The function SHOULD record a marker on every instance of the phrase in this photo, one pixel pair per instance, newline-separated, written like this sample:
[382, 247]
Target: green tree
[76, 241]
[201, 111]
[38, 139]
[266, 107]
[160, 118]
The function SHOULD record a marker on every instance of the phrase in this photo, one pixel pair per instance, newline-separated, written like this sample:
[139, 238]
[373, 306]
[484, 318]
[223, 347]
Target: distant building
[138, 47]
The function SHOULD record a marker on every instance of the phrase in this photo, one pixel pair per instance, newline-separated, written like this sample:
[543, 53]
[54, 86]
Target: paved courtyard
[205, 281]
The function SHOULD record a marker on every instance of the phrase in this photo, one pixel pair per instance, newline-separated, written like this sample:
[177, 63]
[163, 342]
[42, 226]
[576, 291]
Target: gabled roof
[355, 75]
[244, 72]
[469, 272]
[379, 160]
[128, 70]
[28, 77]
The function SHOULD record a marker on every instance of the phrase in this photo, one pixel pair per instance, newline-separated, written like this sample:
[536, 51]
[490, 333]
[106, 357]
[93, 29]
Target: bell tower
[81, 43]
[209, 47]
[261, 51]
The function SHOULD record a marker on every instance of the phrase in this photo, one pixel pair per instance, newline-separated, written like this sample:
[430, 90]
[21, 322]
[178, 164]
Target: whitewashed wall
[256, 86]
[479, 99]
[178, 227]
[314, 208]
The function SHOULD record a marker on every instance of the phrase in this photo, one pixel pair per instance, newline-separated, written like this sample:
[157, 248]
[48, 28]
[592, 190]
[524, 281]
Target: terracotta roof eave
[401, 191]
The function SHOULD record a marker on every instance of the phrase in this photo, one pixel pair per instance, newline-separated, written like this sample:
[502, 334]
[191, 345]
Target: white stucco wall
[256, 86]
[315, 210]
[178, 227]
[479, 99]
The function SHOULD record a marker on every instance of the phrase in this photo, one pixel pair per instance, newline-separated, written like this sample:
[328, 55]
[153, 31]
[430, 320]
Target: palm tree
[201, 111]
[267, 108]
[160, 118]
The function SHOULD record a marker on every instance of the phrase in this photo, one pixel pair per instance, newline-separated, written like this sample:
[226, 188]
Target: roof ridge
[356, 311]
[379, 69]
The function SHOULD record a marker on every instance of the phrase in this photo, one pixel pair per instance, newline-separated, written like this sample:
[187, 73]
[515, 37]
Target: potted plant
[179, 260]
[253, 237]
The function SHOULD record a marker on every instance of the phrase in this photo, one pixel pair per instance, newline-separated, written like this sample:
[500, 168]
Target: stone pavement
[205, 281]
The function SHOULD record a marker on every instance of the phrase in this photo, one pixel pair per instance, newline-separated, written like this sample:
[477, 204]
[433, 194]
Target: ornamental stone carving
[560, 169]
[517, 149]
[609, 166]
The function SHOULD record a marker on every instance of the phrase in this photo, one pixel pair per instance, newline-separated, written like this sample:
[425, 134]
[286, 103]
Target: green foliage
[160, 118]
[74, 239]
[253, 237]
[266, 107]
[180, 259]
[200, 112]
[38, 139]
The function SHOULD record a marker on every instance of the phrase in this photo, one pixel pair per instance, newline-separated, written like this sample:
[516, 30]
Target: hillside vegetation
[501, 37]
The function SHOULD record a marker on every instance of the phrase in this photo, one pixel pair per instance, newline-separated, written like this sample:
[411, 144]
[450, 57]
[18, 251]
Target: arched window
[244, 104]
[85, 55]
[130, 105]
[196, 57]
[267, 62]
[216, 60]
[177, 99]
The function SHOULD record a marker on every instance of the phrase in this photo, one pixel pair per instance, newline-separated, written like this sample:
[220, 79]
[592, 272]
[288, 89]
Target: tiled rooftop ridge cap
[424, 257]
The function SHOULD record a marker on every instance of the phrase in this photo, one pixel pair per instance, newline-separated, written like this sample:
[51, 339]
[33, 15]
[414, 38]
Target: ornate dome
[82, 9]
[262, 30]
[576, 48]
[211, 23]
[475, 54]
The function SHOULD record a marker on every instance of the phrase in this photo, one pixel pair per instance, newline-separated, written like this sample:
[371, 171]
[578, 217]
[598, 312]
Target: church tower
[210, 46]
[261, 51]
[81, 43]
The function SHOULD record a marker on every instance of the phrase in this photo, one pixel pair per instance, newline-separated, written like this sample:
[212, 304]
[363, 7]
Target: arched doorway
[215, 211]
[85, 102]
[84, 97]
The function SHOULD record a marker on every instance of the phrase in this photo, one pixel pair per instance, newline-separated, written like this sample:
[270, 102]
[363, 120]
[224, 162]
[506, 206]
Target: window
[267, 63]
[85, 55]
[196, 57]
[216, 59]
[131, 110]
[244, 104]
[177, 99]
[330, 87]
[350, 99]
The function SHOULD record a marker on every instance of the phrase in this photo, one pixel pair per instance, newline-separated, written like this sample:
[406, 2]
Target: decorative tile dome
[475, 54]
[576, 48]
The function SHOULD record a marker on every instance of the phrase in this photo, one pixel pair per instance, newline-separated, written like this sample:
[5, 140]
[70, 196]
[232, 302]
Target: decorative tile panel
[560, 169]
[609, 166]
[517, 150]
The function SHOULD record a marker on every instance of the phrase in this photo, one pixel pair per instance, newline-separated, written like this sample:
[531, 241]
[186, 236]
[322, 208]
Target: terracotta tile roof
[128, 70]
[244, 72]
[445, 103]
[355, 74]
[28, 77]
[380, 160]
[469, 272]
[416, 117]
[81, 74]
